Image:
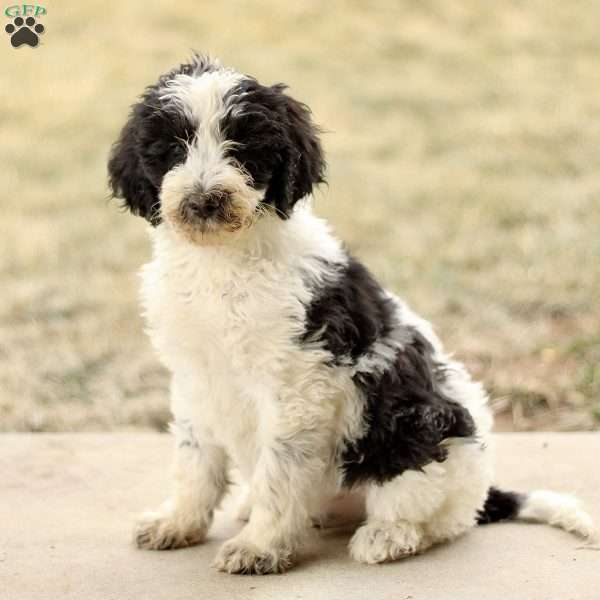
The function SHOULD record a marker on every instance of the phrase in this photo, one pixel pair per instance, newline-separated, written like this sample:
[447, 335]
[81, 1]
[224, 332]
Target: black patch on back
[349, 315]
[407, 415]
[500, 506]
[408, 418]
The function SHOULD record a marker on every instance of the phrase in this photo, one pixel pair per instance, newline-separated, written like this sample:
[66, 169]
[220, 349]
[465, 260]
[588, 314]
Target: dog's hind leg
[396, 513]
[418, 509]
[200, 481]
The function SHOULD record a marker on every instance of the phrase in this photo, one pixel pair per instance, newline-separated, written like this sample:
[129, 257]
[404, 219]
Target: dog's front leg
[284, 484]
[200, 481]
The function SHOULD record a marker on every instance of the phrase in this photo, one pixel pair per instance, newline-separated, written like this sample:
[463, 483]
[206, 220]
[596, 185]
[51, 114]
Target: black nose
[203, 205]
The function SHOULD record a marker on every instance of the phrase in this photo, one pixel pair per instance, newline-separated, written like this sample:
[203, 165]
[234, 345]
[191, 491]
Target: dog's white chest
[227, 330]
[205, 316]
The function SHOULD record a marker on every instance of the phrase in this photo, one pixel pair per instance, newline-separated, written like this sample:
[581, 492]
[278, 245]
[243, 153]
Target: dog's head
[209, 150]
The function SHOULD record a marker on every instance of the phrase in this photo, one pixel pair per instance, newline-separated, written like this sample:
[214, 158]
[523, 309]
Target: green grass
[463, 142]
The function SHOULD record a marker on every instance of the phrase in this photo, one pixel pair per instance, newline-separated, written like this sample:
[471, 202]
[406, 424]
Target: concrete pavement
[68, 501]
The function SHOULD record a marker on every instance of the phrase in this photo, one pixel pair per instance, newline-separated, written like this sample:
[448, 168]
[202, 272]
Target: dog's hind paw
[165, 531]
[238, 556]
[384, 541]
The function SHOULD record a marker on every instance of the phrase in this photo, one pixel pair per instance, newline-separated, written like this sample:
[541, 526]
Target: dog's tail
[541, 506]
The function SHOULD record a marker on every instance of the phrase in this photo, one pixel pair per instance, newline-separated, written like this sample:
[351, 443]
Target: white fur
[558, 510]
[207, 166]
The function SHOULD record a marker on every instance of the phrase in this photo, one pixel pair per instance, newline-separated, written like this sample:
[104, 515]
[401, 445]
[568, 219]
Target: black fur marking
[407, 415]
[152, 142]
[275, 142]
[408, 419]
[500, 506]
[350, 314]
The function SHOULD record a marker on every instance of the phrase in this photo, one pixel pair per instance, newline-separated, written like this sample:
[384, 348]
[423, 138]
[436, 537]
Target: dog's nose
[204, 205]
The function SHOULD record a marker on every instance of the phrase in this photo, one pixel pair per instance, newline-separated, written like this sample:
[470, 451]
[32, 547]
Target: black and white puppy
[289, 361]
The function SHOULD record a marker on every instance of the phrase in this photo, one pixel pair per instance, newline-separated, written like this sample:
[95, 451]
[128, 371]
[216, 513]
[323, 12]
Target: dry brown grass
[464, 150]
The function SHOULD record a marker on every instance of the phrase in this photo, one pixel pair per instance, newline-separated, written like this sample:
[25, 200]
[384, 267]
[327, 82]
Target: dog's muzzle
[200, 206]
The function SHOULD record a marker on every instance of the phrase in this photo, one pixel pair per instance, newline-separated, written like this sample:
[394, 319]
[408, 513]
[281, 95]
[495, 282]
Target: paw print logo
[24, 31]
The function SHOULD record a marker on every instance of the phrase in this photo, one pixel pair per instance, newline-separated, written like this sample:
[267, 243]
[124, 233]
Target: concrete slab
[67, 502]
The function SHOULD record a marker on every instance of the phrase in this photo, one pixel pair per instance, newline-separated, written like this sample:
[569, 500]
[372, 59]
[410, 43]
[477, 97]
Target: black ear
[127, 178]
[302, 164]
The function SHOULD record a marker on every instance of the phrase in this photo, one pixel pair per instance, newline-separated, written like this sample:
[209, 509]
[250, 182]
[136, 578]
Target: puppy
[289, 361]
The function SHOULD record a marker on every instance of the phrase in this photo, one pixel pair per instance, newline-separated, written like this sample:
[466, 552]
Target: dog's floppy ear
[127, 178]
[302, 164]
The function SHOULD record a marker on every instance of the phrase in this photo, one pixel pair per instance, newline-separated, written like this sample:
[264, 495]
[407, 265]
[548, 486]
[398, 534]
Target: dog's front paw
[164, 530]
[383, 541]
[241, 556]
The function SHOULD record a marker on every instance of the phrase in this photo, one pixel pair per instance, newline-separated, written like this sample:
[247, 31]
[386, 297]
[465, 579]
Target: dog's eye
[160, 155]
[257, 140]
[176, 152]
[163, 143]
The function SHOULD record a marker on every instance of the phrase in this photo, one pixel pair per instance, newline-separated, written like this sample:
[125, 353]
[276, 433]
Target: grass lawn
[463, 141]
